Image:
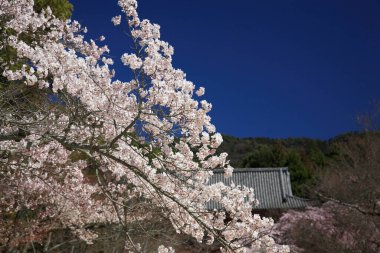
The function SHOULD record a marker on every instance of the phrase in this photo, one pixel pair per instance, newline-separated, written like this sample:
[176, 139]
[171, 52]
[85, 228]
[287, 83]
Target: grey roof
[271, 186]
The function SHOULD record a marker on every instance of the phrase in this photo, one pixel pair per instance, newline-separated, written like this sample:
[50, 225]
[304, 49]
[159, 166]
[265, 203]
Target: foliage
[352, 176]
[312, 163]
[278, 156]
[239, 148]
[61, 9]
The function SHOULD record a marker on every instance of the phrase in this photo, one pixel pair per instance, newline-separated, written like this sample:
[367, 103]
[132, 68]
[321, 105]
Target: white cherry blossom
[92, 144]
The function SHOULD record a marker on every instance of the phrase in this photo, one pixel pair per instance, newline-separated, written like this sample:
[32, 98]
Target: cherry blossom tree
[79, 147]
[331, 227]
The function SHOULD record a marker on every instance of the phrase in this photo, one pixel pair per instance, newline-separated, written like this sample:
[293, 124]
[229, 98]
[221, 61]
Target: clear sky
[271, 68]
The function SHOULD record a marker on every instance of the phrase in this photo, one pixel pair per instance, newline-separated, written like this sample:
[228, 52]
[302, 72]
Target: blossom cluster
[101, 144]
[338, 226]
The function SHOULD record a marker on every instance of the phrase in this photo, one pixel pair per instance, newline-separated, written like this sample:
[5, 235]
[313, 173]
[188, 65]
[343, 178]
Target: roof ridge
[254, 169]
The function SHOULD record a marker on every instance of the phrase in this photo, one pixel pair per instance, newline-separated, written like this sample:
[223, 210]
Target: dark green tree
[62, 9]
[277, 155]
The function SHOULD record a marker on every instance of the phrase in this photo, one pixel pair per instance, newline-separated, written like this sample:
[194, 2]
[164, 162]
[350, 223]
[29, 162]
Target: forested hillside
[308, 159]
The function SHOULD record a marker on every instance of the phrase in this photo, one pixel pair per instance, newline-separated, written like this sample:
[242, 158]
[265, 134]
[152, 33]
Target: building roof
[271, 186]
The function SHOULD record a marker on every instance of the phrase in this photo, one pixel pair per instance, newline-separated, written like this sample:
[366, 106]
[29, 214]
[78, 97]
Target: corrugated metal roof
[272, 187]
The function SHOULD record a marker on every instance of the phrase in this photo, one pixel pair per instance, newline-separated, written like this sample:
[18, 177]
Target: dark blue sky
[271, 68]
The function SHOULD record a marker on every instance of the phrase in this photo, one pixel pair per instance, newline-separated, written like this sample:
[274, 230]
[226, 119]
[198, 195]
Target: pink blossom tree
[80, 147]
[332, 227]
